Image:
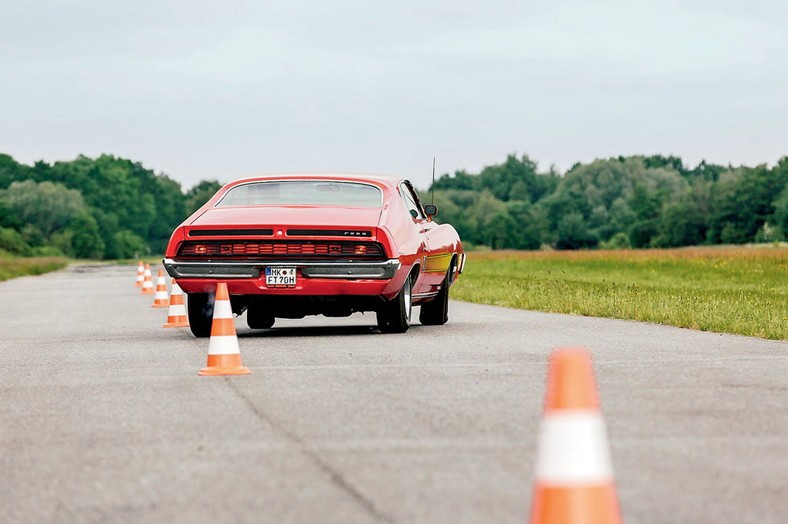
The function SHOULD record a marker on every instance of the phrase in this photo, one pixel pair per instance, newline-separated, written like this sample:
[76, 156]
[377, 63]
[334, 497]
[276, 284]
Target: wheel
[258, 318]
[200, 307]
[394, 317]
[436, 311]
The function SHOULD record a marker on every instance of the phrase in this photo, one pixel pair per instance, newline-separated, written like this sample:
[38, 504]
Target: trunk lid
[289, 217]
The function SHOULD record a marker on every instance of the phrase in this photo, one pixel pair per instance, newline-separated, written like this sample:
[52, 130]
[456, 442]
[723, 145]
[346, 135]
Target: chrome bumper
[339, 269]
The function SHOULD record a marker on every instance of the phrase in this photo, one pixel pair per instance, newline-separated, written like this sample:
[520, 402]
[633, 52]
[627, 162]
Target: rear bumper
[308, 269]
[314, 278]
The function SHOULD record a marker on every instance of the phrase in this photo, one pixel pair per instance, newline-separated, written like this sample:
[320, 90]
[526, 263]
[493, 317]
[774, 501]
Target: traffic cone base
[224, 365]
[178, 323]
[587, 504]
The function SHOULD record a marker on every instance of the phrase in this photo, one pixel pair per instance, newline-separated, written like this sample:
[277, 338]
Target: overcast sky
[206, 89]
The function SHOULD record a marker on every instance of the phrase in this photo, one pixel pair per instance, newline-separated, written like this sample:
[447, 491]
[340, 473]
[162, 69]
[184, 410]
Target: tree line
[624, 202]
[111, 207]
[105, 207]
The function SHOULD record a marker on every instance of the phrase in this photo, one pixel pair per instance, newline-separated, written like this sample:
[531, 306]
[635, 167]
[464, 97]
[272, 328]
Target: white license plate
[280, 276]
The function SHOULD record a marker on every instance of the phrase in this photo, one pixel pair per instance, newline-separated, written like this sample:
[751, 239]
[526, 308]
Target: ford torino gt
[288, 246]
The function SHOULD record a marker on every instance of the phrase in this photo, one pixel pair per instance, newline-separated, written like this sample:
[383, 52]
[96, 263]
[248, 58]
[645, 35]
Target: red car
[294, 245]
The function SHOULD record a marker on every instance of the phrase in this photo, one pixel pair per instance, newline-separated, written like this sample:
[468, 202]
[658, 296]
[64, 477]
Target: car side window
[410, 201]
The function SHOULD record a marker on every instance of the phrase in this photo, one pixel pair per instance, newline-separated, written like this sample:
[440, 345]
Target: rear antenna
[433, 181]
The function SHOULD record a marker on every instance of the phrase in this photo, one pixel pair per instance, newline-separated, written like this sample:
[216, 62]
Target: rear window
[303, 192]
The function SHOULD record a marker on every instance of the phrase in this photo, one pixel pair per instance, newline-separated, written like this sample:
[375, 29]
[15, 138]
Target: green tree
[681, 224]
[573, 233]
[126, 244]
[200, 193]
[12, 241]
[707, 172]
[460, 180]
[487, 217]
[514, 179]
[500, 230]
[11, 171]
[670, 162]
[530, 224]
[8, 217]
[685, 222]
[781, 214]
[743, 201]
[86, 241]
[646, 207]
[618, 241]
[46, 205]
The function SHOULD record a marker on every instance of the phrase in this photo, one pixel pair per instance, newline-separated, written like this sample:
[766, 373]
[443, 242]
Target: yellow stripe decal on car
[437, 263]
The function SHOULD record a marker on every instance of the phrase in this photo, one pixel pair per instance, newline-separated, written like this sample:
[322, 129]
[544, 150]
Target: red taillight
[247, 248]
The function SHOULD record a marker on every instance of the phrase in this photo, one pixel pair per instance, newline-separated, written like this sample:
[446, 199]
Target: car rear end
[292, 247]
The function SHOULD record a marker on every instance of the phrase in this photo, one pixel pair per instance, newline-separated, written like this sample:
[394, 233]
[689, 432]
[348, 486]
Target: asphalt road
[104, 419]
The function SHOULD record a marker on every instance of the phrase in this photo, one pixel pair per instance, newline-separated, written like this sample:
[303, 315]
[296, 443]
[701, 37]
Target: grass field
[727, 290]
[11, 267]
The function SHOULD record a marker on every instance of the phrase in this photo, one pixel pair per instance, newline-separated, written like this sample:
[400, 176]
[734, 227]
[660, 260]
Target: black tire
[394, 317]
[200, 308]
[436, 311]
[258, 318]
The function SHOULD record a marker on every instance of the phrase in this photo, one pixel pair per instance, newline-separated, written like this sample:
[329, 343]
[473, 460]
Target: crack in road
[336, 477]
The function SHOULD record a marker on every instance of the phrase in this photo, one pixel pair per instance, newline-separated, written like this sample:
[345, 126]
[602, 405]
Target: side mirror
[430, 210]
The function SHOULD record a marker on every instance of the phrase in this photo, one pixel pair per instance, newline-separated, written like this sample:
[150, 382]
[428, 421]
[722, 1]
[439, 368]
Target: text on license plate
[280, 276]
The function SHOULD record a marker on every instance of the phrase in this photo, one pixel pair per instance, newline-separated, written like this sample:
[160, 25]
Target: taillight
[254, 248]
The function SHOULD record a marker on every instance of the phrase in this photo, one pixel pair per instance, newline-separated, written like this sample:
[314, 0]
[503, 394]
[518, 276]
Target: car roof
[348, 177]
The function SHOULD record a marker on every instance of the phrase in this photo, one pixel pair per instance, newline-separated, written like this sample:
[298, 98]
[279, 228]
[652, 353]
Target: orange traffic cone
[176, 314]
[160, 299]
[574, 475]
[147, 283]
[140, 274]
[224, 357]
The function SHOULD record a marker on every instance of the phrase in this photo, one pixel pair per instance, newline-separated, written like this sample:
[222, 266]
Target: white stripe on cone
[178, 310]
[223, 345]
[573, 449]
[222, 309]
[175, 289]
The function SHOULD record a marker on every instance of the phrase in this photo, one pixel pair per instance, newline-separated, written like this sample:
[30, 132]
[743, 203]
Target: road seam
[336, 478]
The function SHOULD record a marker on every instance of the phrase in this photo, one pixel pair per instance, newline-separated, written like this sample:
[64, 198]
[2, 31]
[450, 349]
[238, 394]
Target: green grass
[728, 290]
[11, 267]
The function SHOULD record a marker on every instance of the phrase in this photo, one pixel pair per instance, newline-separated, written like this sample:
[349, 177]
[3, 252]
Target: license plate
[280, 276]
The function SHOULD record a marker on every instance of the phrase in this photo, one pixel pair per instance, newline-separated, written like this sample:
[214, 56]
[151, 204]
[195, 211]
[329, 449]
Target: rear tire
[258, 318]
[200, 308]
[436, 311]
[394, 317]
